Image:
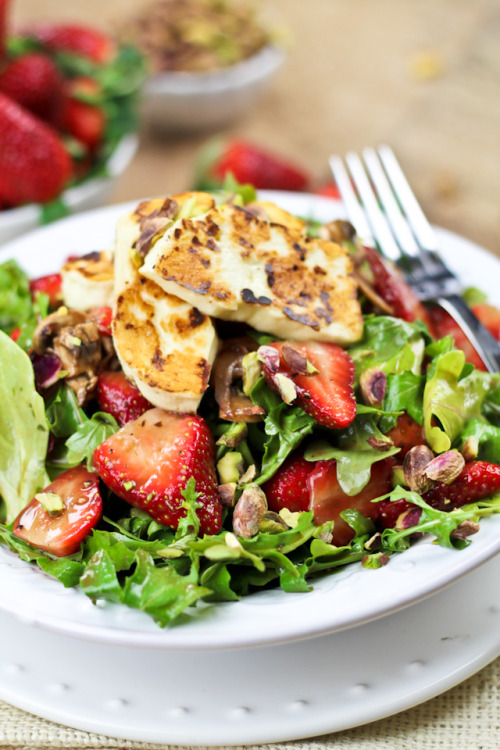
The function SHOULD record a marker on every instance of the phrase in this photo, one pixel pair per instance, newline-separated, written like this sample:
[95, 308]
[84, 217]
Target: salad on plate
[234, 398]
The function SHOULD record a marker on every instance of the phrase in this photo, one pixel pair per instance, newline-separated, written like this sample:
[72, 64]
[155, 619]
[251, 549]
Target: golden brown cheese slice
[231, 264]
[165, 346]
[88, 281]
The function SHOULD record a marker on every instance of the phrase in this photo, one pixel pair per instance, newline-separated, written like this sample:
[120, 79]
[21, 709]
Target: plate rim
[180, 638]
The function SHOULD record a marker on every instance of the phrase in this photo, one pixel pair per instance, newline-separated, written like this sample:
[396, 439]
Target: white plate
[258, 695]
[351, 597]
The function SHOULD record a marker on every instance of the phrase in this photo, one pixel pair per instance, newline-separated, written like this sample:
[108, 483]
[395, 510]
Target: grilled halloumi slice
[230, 264]
[165, 346]
[88, 281]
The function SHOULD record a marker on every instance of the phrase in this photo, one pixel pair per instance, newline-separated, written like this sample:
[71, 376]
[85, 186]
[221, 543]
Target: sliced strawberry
[442, 324]
[490, 317]
[328, 499]
[328, 190]
[63, 533]
[288, 488]
[34, 82]
[393, 289]
[262, 169]
[477, 480]
[327, 395]
[34, 165]
[406, 434]
[81, 40]
[149, 461]
[117, 396]
[103, 316]
[50, 285]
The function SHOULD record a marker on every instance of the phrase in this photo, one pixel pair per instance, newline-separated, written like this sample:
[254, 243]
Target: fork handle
[486, 346]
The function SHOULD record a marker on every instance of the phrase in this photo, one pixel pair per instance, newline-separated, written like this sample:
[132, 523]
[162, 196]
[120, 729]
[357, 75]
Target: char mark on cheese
[301, 250]
[202, 288]
[212, 245]
[158, 361]
[93, 256]
[248, 296]
[304, 319]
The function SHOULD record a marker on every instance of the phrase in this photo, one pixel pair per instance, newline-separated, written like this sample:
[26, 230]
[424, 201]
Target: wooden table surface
[354, 76]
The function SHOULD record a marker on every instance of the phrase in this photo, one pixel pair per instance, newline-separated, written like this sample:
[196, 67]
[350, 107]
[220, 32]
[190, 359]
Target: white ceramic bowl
[90, 194]
[195, 102]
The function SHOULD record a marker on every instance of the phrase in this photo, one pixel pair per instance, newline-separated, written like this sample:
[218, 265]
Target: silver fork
[385, 212]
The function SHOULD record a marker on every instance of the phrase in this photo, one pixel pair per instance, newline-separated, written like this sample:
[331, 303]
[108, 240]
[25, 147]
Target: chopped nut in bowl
[210, 60]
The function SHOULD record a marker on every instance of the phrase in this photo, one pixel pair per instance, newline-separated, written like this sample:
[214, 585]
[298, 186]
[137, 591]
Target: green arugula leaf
[286, 426]
[391, 344]
[404, 392]
[353, 453]
[89, 434]
[161, 592]
[488, 437]
[63, 413]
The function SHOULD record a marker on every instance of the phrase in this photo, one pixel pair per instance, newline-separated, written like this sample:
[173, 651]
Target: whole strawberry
[149, 461]
[262, 169]
[34, 82]
[75, 38]
[34, 165]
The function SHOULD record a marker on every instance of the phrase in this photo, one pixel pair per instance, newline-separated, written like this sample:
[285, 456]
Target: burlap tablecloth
[465, 718]
[355, 76]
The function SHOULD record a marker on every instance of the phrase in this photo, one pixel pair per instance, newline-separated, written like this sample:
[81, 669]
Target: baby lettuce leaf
[354, 455]
[24, 430]
[451, 399]
[286, 426]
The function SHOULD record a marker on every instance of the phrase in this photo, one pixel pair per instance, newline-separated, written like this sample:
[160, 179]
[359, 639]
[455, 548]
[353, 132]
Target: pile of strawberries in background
[67, 96]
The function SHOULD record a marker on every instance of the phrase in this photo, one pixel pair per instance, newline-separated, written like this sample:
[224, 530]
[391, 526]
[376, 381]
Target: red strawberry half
[442, 324]
[327, 395]
[328, 499]
[260, 168]
[117, 396]
[288, 488]
[50, 285]
[477, 480]
[34, 166]
[489, 315]
[62, 534]
[393, 289]
[34, 82]
[149, 461]
[406, 434]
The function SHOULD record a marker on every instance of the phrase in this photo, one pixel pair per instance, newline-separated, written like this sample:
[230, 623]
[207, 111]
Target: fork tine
[380, 227]
[392, 210]
[355, 213]
[416, 217]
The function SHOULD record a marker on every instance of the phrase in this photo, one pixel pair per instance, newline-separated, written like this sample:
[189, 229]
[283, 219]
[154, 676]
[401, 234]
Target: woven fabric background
[465, 718]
